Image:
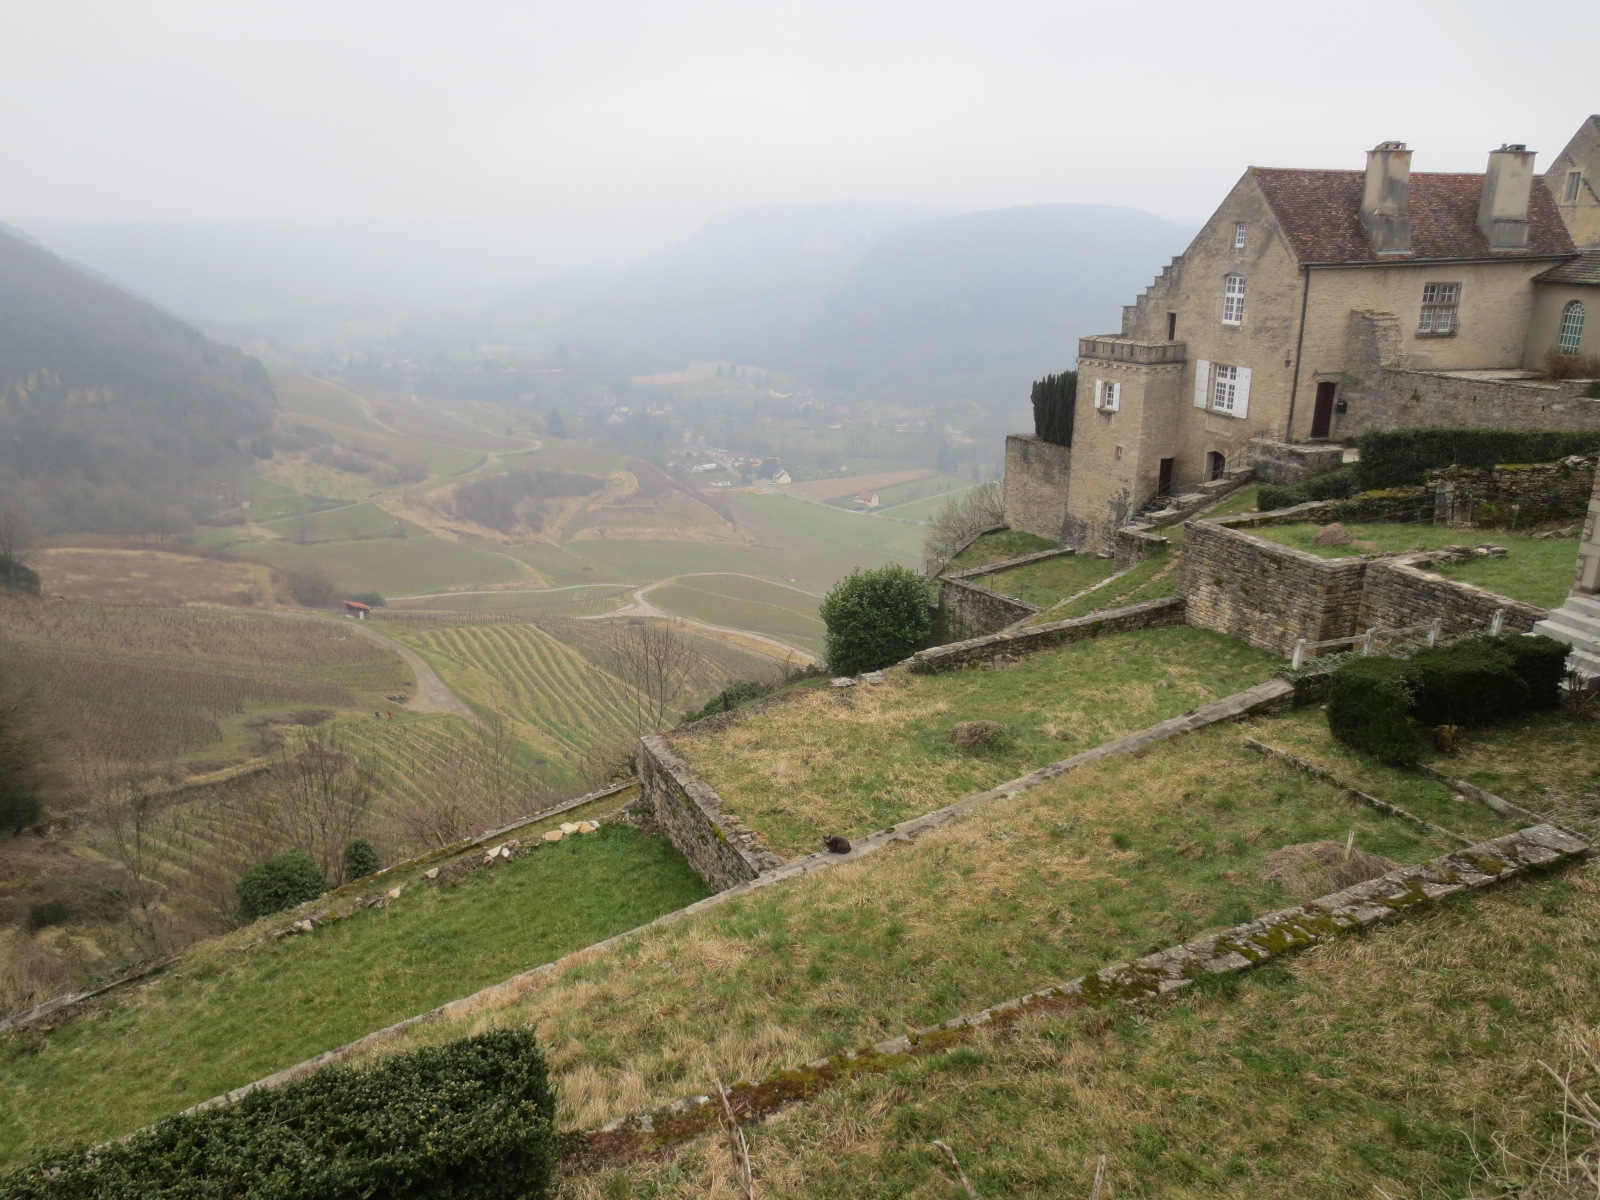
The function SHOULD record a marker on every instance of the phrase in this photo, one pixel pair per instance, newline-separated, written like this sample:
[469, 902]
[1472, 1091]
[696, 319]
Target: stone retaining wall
[1401, 399]
[722, 850]
[1512, 496]
[1152, 614]
[969, 610]
[1036, 480]
[1398, 592]
[1291, 462]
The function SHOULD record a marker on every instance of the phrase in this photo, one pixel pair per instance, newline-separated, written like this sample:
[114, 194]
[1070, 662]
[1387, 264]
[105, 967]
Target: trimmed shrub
[1395, 457]
[1055, 400]
[1369, 709]
[471, 1119]
[360, 860]
[1540, 662]
[1337, 484]
[1464, 683]
[874, 618]
[281, 882]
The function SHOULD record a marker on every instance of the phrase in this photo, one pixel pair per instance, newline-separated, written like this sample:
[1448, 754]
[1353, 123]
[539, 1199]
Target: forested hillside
[110, 408]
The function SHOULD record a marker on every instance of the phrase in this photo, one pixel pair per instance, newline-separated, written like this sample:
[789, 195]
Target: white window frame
[1107, 395]
[1570, 337]
[1224, 388]
[1233, 299]
[1574, 187]
[1441, 309]
[1238, 235]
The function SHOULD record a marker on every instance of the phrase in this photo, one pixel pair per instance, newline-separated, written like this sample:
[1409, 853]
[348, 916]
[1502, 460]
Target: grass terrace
[997, 547]
[1378, 1066]
[1054, 579]
[828, 761]
[1535, 570]
[1117, 859]
[230, 1016]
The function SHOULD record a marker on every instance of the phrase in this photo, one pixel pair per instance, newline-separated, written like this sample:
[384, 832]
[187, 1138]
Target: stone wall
[1036, 480]
[1396, 398]
[1263, 593]
[1399, 592]
[1511, 496]
[1009, 643]
[969, 610]
[1290, 462]
[722, 850]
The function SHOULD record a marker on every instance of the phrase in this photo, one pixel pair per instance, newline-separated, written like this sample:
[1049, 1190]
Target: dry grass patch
[1381, 1065]
[1116, 860]
[104, 575]
[849, 761]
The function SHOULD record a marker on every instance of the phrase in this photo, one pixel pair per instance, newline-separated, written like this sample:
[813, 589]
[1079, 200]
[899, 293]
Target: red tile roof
[1583, 269]
[1320, 212]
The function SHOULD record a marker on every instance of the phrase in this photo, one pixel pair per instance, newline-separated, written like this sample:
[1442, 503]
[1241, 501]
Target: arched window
[1571, 328]
[1233, 299]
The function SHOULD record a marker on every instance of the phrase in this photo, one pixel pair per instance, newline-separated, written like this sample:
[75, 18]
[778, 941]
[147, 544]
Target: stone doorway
[1322, 413]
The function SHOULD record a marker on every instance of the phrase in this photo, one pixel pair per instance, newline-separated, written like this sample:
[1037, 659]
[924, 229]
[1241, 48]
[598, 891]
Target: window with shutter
[1202, 383]
[1241, 396]
[1224, 388]
[1110, 395]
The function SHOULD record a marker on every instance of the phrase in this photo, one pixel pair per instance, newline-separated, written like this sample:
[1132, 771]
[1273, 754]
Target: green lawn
[743, 603]
[998, 547]
[233, 1016]
[826, 761]
[1238, 504]
[1538, 571]
[1045, 583]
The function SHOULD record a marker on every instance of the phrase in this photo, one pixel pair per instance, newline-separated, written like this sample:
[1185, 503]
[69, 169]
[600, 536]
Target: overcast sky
[622, 124]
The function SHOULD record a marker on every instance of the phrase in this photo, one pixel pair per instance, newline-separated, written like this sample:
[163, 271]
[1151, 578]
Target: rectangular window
[1107, 395]
[1233, 300]
[1238, 235]
[1439, 308]
[1574, 186]
[1224, 387]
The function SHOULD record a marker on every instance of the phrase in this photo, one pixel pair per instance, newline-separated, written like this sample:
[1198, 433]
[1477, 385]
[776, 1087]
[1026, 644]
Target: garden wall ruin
[722, 849]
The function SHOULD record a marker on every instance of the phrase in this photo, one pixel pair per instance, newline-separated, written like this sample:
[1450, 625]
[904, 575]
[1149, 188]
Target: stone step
[1589, 606]
[1572, 627]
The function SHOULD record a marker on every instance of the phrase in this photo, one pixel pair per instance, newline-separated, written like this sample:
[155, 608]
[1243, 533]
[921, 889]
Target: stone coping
[955, 581]
[1167, 610]
[1270, 936]
[1021, 560]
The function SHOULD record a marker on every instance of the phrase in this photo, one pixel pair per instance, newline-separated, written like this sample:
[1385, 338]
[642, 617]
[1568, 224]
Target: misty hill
[108, 406]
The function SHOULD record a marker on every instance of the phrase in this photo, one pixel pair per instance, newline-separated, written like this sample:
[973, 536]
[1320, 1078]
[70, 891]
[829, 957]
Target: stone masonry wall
[722, 850]
[1399, 592]
[1402, 399]
[969, 610]
[1036, 480]
[1511, 496]
[1263, 593]
[1151, 614]
[1285, 462]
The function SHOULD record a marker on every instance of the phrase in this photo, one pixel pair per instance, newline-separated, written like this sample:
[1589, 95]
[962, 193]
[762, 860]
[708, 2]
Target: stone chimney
[1503, 211]
[1385, 206]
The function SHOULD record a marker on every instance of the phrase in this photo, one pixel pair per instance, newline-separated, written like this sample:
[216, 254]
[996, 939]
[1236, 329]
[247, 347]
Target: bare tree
[656, 663]
[320, 797]
[483, 782]
[958, 519]
[16, 537]
[127, 810]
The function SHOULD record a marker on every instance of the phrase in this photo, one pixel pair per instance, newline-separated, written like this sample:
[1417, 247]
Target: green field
[228, 1017]
[1536, 570]
[342, 524]
[579, 600]
[859, 532]
[818, 764]
[397, 566]
[744, 603]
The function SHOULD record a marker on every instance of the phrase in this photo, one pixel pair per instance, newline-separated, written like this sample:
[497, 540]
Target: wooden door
[1322, 414]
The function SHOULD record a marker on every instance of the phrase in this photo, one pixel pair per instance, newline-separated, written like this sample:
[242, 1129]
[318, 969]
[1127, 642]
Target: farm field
[848, 485]
[230, 1016]
[745, 603]
[1112, 861]
[346, 523]
[397, 566]
[151, 684]
[924, 509]
[580, 600]
[1054, 579]
[1536, 570]
[847, 531]
[815, 765]
[93, 575]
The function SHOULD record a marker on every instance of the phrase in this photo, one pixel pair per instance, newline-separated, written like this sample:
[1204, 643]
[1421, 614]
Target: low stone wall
[1512, 496]
[969, 610]
[1398, 592]
[1036, 480]
[1403, 399]
[1130, 545]
[1405, 505]
[722, 850]
[1263, 593]
[1152, 614]
[1290, 462]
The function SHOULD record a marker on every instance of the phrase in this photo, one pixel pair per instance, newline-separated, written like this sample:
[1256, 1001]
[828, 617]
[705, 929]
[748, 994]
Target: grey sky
[624, 124]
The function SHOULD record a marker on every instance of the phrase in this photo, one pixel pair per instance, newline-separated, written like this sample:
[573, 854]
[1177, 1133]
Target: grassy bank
[819, 763]
[1044, 583]
[233, 1016]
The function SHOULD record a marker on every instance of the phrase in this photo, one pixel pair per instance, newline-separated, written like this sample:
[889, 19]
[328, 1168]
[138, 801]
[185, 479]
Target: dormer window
[1574, 186]
[1233, 300]
[1440, 302]
[1238, 235]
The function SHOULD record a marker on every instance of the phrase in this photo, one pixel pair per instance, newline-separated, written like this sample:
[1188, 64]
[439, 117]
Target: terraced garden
[229, 1016]
[815, 764]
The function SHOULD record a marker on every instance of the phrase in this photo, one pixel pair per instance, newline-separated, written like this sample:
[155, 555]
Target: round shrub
[470, 1119]
[874, 618]
[1464, 683]
[1540, 662]
[281, 882]
[360, 860]
[1369, 709]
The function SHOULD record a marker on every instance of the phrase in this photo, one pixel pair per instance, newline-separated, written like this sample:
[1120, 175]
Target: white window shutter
[1099, 391]
[1202, 383]
[1241, 400]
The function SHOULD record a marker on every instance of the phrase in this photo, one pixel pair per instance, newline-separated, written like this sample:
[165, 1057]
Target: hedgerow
[471, 1119]
[1395, 457]
[1337, 484]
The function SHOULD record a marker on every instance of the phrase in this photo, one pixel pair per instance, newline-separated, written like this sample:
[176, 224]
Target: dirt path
[433, 695]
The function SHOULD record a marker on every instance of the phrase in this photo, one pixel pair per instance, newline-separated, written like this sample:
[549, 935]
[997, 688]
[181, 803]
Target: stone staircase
[1577, 623]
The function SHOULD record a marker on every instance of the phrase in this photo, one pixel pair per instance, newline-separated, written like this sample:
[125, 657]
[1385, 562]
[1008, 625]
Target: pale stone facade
[1577, 622]
[1281, 320]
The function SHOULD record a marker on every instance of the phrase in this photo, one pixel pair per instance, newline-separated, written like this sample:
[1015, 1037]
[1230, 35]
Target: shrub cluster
[1376, 704]
[874, 618]
[469, 1119]
[281, 882]
[1396, 457]
[1337, 484]
[360, 860]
